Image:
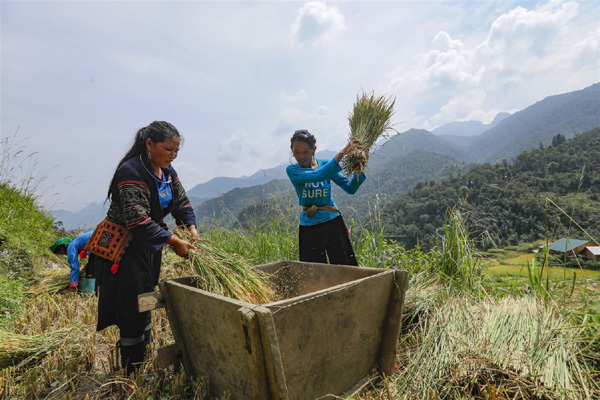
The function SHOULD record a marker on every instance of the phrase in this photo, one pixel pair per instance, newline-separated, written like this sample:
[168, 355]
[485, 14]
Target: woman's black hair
[58, 248]
[157, 131]
[302, 135]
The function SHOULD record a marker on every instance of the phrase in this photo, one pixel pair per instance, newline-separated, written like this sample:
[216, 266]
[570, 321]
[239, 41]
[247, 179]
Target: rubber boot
[133, 356]
[148, 337]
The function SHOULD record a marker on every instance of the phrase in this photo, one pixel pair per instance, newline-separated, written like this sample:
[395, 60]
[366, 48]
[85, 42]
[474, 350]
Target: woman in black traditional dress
[144, 189]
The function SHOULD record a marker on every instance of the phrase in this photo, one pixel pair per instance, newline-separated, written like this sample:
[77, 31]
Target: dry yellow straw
[53, 281]
[370, 119]
[17, 349]
[227, 274]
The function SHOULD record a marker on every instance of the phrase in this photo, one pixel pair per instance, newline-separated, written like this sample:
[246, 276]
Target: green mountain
[385, 181]
[468, 128]
[566, 114]
[415, 157]
[277, 199]
[226, 209]
[507, 203]
[408, 142]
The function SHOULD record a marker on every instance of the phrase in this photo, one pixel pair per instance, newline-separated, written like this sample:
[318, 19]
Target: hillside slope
[506, 204]
[565, 114]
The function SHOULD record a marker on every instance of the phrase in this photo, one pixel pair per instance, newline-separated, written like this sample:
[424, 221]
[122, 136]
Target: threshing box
[335, 329]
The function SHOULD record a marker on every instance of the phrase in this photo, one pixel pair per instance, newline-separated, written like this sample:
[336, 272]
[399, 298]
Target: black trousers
[138, 273]
[326, 241]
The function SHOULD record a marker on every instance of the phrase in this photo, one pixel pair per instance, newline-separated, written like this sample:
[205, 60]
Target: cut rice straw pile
[370, 120]
[520, 345]
[227, 274]
[52, 282]
[19, 350]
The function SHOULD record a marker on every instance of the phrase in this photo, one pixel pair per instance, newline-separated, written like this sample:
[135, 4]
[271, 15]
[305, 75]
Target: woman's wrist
[174, 241]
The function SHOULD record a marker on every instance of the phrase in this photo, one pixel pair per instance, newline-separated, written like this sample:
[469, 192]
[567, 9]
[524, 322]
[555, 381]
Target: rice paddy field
[469, 331]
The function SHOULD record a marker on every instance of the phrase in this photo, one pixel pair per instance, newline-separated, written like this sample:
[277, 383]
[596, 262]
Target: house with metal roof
[592, 253]
[570, 247]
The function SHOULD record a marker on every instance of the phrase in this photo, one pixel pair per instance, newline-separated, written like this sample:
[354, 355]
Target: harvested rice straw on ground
[227, 274]
[52, 281]
[370, 119]
[17, 349]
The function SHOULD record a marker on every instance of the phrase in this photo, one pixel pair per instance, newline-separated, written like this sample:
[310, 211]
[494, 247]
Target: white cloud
[523, 51]
[294, 98]
[527, 41]
[316, 23]
[329, 129]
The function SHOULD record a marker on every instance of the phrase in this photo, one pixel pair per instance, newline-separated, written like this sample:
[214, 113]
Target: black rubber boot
[133, 356]
[148, 337]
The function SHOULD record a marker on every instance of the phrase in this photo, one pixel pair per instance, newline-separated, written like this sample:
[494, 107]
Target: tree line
[544, 193]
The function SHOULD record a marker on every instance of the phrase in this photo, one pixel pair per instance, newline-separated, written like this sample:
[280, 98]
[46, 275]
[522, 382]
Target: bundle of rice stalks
[227, 274]
[52, 281]
[370, 119]
[19, 350]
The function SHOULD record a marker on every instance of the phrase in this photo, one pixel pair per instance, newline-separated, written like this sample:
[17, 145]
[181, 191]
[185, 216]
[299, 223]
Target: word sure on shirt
[315, 190]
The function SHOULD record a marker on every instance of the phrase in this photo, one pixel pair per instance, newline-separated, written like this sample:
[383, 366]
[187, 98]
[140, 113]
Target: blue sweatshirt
[73, 249]
[313, 186]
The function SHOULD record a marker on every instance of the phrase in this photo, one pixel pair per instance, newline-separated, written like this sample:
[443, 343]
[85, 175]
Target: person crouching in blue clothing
[323, 235]
[73, 249]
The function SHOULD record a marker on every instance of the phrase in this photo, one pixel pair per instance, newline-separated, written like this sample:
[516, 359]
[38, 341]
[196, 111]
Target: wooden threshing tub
[336, 329]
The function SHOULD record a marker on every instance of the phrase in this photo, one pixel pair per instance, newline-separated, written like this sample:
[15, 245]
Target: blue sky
[79, 78]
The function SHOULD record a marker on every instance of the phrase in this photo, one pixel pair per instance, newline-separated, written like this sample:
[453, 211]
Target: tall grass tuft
[272, 241]
[374, 250]
[521, 346]
[459, 260]
[369, 120]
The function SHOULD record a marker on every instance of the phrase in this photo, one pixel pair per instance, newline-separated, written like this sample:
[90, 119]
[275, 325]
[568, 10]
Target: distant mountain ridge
[85, 219]
[391, 164]
[221, 185]
[221, 207]
[567, 114]
[468, 128]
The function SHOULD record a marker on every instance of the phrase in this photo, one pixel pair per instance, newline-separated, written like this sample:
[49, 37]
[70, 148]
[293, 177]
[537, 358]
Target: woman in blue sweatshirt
[323, 235]
[73, 249]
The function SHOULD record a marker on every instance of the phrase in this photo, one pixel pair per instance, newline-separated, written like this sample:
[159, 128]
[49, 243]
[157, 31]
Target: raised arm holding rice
[323, 235]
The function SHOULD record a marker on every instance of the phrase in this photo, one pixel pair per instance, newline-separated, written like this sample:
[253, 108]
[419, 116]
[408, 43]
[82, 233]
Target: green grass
[273, 240]
[555, 272]
[26, 232]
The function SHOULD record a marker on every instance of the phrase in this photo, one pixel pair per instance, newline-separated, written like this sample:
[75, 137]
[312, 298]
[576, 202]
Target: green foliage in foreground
[25, 234]
[23, 228]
